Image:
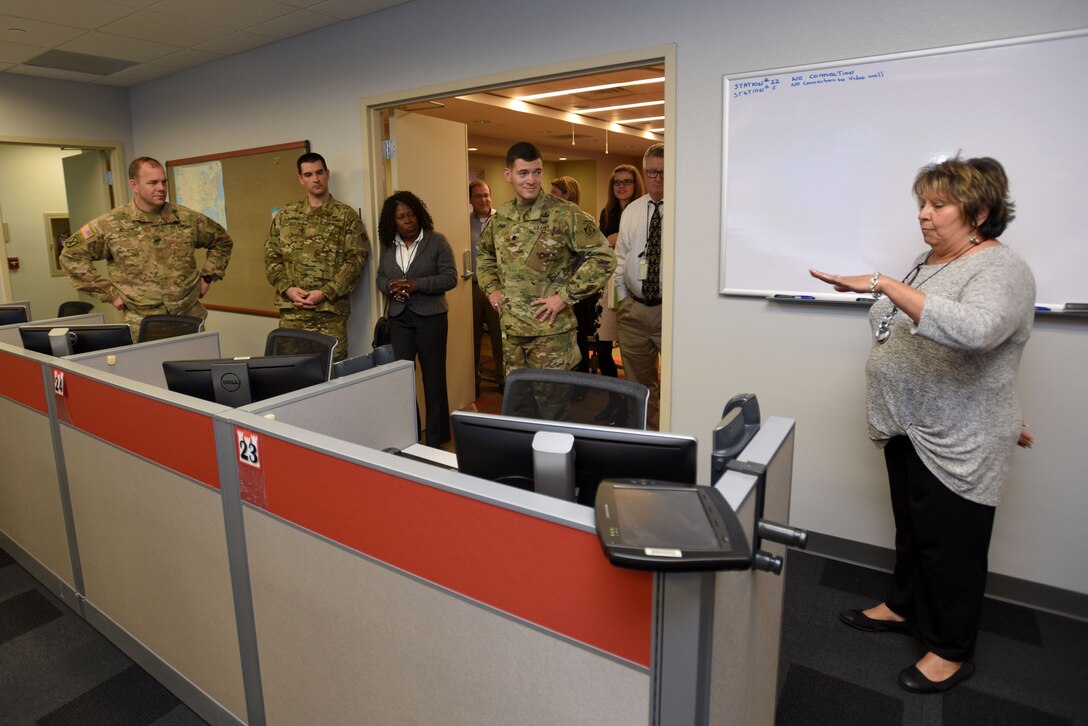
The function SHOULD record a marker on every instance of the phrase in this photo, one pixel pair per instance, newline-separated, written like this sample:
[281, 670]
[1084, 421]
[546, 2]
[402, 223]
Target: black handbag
[381, 329]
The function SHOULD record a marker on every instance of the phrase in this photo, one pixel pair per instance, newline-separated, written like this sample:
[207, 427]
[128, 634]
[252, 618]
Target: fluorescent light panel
[586, 89]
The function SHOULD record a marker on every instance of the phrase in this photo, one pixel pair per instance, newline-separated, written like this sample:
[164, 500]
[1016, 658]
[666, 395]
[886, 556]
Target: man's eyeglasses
[653, 173]
[623, 182]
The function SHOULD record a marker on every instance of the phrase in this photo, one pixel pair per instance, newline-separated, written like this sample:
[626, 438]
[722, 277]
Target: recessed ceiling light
[641, 120]
[562, 158]
[473, 148]
[621, 107]
[586, 89]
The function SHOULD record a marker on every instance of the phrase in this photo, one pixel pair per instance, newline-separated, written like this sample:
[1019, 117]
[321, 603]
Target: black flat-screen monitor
[79, 338]
[236, 382]
[13, 314]
[500, 448]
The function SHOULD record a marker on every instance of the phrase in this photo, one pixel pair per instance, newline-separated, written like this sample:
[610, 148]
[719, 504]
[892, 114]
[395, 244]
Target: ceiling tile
[119, 46]
[16, 52]
[288, 26]
[348, 9]
[35, 32]
[88, 14]
[302, 3]
[187, 58]
[235, 14]
[54, 73]
[136, 74]
[235, 43]
[165, 29]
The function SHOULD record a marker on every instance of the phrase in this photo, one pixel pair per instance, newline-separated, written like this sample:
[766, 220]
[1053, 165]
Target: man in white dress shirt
[639, 281]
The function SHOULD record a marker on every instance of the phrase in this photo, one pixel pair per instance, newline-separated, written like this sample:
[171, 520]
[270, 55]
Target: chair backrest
[157, 327]
[348, 366]
[74, 307]
[575, 397]
[290, 341]
[383, 354]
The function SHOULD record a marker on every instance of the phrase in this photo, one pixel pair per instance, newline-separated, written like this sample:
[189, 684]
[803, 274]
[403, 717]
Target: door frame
[114, 149]
[373, 162]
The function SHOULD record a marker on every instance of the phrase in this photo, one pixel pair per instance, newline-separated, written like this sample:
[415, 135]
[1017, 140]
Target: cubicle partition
[272, 564]
[143, 362]
[33, 522]
[10, 333]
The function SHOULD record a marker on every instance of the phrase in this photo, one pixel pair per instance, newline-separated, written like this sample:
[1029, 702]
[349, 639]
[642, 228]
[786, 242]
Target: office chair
[157, 327]
[575, 397]
[290, 341]
[348, 366]
[383, 354]
[74, 307]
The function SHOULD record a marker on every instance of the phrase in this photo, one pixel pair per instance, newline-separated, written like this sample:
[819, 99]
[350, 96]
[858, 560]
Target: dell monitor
[239, 381]
[13, 315]
[500, 448]
[73, 339]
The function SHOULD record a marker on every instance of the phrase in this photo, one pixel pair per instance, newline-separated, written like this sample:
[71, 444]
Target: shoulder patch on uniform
[589, 227]
[85, 232]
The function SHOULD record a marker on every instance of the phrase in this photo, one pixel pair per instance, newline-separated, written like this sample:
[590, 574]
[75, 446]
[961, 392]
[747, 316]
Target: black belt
[648, 303]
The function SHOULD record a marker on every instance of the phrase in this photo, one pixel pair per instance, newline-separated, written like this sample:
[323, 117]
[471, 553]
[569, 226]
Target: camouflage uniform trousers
[560, 352]
[319, 321]
[133, 317]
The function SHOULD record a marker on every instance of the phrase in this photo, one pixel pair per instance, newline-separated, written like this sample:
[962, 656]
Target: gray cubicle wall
[147, 512]
[33, 521]
[143, 362]
[378, 418]
[10, 333]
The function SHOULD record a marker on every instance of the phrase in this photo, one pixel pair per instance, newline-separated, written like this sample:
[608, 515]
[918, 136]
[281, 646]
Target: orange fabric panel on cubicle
[551, 575]
[168, 435]
[21, 381]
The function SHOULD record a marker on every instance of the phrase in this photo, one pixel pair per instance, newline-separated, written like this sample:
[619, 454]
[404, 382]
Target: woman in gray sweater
[942, 404]
[415, 270]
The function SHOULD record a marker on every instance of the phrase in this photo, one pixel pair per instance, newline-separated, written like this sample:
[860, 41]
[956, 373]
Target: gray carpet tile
[23, 612]
[1032, 666]
[130, 698]
[816, 699]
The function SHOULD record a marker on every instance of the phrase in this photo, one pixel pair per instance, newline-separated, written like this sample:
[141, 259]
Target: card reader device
[654, 525]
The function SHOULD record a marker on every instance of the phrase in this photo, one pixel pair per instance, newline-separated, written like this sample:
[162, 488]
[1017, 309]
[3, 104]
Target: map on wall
[200, 187]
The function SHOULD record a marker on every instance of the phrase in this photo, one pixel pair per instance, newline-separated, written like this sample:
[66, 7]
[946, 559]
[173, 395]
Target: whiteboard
[819, 161]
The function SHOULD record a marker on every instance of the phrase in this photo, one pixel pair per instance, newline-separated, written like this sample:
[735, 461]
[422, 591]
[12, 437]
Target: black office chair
[289, 341]
[348, 366]
[575, 398]
[383, 354]
[157, 327]
[379, 356]
[74, 307]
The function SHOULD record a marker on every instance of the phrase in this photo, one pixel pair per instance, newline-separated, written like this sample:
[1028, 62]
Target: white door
[5, 277]
[89, 195]
[431, 161]
[85, 186]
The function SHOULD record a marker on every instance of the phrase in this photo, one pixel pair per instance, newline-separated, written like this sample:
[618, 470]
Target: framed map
[240, 190]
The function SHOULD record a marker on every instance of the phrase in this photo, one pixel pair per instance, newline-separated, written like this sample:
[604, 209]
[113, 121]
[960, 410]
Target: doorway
[584, 147]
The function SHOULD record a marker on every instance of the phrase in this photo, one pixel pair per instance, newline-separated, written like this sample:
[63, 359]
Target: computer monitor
[238, 381]
[76, 339]
[500, 448]
[13, 314]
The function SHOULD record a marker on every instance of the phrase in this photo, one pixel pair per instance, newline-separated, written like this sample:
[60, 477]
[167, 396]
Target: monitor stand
[60, 343]
[553, 465]
[230, 381]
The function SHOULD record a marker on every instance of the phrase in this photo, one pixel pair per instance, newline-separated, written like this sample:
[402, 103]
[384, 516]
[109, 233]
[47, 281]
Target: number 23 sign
[248, 446]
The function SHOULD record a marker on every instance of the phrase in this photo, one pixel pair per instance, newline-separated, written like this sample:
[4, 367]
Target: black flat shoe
[861, 621]
[915, 681]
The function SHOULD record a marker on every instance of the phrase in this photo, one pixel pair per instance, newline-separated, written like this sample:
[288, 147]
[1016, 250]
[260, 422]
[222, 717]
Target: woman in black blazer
[415, 270]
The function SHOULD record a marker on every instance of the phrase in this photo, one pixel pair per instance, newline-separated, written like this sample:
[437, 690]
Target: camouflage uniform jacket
[316, 248]
[150, 259]
[530, 253]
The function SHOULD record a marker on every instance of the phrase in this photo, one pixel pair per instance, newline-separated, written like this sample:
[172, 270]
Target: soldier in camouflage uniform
[537, 256]
[314, 256]
[149, 246]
